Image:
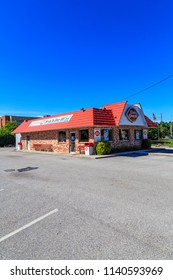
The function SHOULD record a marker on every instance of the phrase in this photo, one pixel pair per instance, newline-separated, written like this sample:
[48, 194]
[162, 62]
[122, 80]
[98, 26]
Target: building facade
[121, 124]
[18, 119]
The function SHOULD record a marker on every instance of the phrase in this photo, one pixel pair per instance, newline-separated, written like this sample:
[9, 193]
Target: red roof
[82, 118]
[107, 116]
[150, 123]
[117, 110]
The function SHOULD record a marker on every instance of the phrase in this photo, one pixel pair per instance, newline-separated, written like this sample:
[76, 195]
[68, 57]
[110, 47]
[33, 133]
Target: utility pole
[161, 125]
[171, 127]
[158, 132]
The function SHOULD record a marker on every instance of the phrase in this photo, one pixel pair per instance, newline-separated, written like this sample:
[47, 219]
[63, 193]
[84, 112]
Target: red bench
[43, 147]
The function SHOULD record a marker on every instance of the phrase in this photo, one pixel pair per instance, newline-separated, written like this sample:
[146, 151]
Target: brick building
[18, 119]
[121, 124]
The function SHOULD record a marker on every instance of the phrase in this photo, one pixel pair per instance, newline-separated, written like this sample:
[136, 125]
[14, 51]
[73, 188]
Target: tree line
[163, 130]
[6, 136]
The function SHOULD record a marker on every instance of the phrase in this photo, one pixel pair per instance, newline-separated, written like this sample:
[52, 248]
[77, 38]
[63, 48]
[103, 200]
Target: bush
[146, 144]
[103, 148]
[6, 140]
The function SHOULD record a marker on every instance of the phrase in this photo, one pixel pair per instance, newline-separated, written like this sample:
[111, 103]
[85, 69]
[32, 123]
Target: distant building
[18, 119]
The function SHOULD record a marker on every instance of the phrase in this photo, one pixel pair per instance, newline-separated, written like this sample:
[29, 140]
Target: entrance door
[28, 142]
[72, 142]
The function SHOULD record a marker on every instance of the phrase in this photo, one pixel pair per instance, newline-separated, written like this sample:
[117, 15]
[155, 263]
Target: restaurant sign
[132, 114]
[54, 120]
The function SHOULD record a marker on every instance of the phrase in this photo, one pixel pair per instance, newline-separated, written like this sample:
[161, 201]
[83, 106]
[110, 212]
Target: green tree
[164, 130]
[153, 133]
[8, 128]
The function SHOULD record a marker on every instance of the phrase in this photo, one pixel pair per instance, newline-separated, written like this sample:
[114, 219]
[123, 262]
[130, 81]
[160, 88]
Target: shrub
[103, 148]
[6, 140]
[146, 144]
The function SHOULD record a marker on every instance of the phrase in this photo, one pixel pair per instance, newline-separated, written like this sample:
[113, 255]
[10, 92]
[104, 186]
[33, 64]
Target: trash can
[19, 146]
[88, 149]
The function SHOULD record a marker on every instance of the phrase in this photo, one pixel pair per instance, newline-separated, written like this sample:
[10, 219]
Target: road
[66, 207]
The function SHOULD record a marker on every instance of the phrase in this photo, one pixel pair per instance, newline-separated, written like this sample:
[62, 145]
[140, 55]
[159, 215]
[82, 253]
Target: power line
[153, 85]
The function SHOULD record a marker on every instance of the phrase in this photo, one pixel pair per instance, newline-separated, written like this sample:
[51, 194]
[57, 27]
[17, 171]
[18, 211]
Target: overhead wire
[153, 85]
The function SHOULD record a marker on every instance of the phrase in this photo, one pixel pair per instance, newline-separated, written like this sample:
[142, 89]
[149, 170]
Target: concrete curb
[151, 152]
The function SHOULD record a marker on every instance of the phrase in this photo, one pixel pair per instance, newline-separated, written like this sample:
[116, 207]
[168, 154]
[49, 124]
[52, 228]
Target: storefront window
[62, 136]
[138, 134]
[84, 135]
[124, 134]
[106, 134]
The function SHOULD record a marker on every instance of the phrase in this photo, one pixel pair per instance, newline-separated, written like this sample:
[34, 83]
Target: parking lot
[67, 207]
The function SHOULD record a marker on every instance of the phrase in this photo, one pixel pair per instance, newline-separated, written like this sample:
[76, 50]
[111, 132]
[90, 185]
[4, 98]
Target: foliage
[8, 128]
[146, 144]
[125, 149]
[164, 130]
[103, 148]
[6, 140]
[153, 133]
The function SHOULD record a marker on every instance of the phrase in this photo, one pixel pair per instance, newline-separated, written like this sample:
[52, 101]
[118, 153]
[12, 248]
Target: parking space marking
[27, 225]
[1, 190]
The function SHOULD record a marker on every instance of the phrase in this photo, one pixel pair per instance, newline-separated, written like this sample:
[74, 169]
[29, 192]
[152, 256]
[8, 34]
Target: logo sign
[132, 114]
[51, 120]
[97, 135]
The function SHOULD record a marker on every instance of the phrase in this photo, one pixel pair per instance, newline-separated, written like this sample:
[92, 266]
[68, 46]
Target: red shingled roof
[117, 110]
[82, 118]
[103, 117]
[108, 116]
[150, 123]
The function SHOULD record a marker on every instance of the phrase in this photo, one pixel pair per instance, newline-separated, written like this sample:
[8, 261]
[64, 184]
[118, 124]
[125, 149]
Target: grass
[163, 143]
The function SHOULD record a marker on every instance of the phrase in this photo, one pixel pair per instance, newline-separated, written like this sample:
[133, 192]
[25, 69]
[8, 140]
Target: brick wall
[131, 142]
[51, 137]
[3, 120]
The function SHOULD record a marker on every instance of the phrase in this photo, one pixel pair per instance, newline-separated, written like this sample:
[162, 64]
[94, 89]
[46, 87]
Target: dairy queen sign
[132, 114]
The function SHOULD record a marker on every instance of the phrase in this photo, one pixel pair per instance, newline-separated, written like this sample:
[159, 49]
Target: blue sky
[59, 56]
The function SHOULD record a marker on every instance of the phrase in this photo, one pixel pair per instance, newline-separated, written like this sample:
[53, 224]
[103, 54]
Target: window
[62, 136]
[106, 134]
[138, 134]
[124, 134]
[84, 135]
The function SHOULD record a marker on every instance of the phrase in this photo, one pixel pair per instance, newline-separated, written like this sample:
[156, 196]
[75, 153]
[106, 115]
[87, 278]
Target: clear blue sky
[58, 56]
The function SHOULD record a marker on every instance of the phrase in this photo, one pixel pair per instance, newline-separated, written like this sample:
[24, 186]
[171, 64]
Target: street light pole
[171, 127]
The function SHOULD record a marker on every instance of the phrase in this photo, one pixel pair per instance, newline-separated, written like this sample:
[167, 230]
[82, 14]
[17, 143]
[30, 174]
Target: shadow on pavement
[161, 151]
[135, 154]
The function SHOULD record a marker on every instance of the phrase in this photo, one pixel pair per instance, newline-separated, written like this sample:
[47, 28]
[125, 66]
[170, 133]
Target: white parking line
[1, 190]
[27, 225]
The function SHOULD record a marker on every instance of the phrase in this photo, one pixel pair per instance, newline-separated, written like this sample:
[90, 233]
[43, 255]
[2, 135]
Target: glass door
[28, 142]
[72, 142]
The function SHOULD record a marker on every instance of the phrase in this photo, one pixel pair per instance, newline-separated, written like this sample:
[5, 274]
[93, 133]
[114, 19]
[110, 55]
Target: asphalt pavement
[64, 207]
